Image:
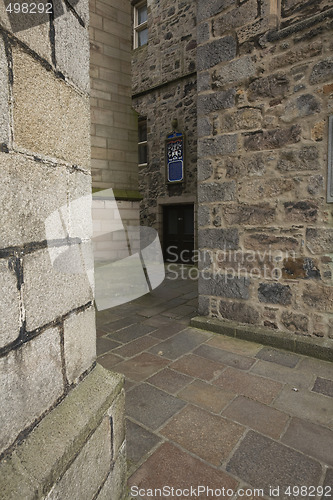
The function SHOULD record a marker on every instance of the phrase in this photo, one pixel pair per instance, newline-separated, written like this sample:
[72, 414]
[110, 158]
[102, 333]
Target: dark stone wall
[164, 88]
[265, 86]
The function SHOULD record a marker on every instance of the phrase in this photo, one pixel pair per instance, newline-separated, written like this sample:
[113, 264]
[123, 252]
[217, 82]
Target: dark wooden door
[178, 233]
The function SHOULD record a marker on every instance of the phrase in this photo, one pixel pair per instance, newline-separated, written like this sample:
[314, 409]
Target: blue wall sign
[175, 157]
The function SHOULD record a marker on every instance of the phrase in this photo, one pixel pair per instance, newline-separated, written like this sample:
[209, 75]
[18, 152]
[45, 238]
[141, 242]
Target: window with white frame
[142, 141]
[140, 24]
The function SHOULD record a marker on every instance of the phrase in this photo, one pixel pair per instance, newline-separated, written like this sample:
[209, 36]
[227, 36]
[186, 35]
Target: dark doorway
[178, 233]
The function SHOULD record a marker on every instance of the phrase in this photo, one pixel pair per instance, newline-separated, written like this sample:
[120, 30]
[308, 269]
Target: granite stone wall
[164, 88]
[62, 433]
[265, 87]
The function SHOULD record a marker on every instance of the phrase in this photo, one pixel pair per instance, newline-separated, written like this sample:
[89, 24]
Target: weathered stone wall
[113, 122]
[265, 76]
[52, 407]
[164, 88]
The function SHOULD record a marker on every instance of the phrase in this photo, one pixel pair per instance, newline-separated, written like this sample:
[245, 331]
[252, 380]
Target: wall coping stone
[48, 451]
[309, 346]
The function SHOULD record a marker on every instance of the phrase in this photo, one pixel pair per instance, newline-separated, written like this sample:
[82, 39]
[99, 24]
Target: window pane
[142, 14]
[142, 37]
[142, 130]
[142, 153]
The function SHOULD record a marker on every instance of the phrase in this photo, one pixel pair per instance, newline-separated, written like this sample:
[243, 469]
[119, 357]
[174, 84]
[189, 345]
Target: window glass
[142, 37]
[142, 14]
[142, 141]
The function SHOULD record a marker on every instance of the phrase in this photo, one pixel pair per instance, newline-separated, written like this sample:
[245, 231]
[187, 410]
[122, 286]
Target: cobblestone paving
[205, 410]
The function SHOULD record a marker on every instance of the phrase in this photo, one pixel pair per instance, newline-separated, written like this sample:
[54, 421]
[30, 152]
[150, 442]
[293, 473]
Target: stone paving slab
[141, 366]
[166, 468]
[225, 357]
[204, 408]
[169, 380]
[279, 357]
[265, 463]
[323, 386]
[131, 332]
[313, 440]
[150, 406]
[135, 347]
[196, 366]
[299, 379]
[246, 384]
[236, 346]
[305, 404]
[208, 436]
[181, 343]
[140, 441]
[206, 396]
[258, 416]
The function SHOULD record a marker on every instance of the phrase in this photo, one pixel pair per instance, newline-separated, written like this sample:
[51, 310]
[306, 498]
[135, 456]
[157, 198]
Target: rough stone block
[319, 297]
[273, 188]
[72, 49]
[294, 321]
[220, 145]
[319, 241]
[203, 216]
[300, 268]
[242, 119]
[79, 343]
[220, 285]
[203, 33]
[10, 303]
[205, 126]
[216, 52]
[322, 71]
[4, 109]
[262, 213]
[272, 139]
[52, 289]
[274, 293]
[241, 15]
[88, 470]
[203, 81]
[262, 241]
[31, 381]
[219, 238]
[34, 184]
[50, 118]
[216, 191]
[296, 55]
[215, 102]
[238, 311]
[116, 482]
[270, 86]
[117, 415]
[209, 9]
[301, 211]
[203, 307]
[307, 158]
[205, 169]
[304, 105]
[234, 73]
